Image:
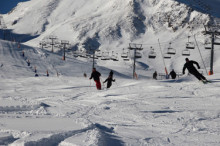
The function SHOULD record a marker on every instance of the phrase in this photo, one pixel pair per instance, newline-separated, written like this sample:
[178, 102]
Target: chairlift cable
[165, 42]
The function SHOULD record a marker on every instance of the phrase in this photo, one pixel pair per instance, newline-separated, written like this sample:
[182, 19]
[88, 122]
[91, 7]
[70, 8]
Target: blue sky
[7, 5]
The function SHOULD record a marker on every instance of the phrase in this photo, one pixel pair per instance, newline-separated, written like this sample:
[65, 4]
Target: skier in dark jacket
[189, 65]
[96, 76]
[111, 73]
[155, 75]
[109, 79]
[173, 74]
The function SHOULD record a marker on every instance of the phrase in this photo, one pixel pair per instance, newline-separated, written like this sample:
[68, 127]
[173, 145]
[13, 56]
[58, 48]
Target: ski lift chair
[152, 56]
[217, 41]
[171, 50]
[103, 56]
[152, 53]
[124, 54]
[57, 44]
[75, 54]
[208, 46]
[99, 54]
[95, 57]
[190, 45]
[107, 56]
[47, 46]
[83, 55]
[88, 53]
[126, 59]
[91, 54]
[185, 52]
[80, 54]
[138, 55]
[114, 57]
[167, 56]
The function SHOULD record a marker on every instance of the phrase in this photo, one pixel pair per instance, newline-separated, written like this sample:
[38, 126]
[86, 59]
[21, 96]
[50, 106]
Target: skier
[28, 62]
[155, 75]
[193, 70]
[85, 75]
[173, 74]
[23, 53]
[111, 73]
[96, 76]
[47, 73]
[109, 79]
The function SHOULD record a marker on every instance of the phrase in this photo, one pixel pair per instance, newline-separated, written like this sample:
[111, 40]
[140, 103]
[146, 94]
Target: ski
[205, 81]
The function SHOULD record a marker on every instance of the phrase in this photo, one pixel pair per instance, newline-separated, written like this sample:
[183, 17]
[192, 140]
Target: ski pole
[116, 83]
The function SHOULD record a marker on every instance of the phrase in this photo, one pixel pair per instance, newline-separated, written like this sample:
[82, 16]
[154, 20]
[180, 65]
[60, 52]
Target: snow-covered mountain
[112, 25]
[104, 23]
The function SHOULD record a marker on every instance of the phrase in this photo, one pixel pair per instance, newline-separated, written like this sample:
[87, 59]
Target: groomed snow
[65, 108]
[68, 110]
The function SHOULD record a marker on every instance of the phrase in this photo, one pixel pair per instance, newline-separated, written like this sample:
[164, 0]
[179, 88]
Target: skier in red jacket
[96, 76]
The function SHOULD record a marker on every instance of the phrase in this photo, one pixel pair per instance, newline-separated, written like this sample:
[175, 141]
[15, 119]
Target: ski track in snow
[151, 108]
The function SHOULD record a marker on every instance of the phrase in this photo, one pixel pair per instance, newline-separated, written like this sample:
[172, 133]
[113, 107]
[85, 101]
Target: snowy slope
[66, 109]
[14, 64]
